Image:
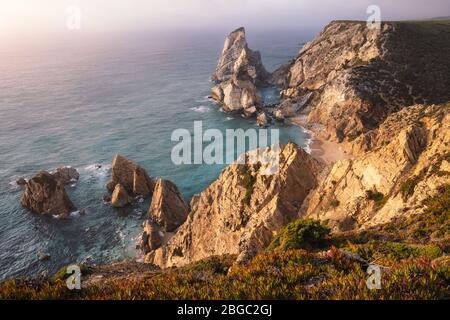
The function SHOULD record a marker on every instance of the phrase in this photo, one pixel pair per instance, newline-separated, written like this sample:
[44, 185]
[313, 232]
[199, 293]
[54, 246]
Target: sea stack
[133, 178]
[238, 74]
[45, 194]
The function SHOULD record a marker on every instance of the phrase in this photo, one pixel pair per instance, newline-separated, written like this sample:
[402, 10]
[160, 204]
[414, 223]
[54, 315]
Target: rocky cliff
[399, 166]
[238, 73]
[350, 78]
[240, 212]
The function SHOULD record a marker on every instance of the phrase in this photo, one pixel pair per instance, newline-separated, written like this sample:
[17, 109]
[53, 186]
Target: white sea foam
[229, 118]
[201, 109]
[98, 170]
[308, 141]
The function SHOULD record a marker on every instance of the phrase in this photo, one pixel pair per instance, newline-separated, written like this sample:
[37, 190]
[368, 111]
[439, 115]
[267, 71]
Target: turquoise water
[78, 103]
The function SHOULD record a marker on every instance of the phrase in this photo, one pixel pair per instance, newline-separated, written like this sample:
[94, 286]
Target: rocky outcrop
[262, 119]
[399, 165]
[133, 178]
[168, 207]
[152, 237]
[45, 194]
[120, 197]
[353, 77]
[237, 57]
[241, 211]
[66, 175]
[238, 73]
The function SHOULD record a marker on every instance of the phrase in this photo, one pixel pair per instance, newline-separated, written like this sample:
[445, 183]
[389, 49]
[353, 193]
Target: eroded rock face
[120, 197]
[240, 212]
[133, 178]
[168, 207]
[238, 73]
[237, 57]
[399, 165]
[152, 237]
[45, 194]
[66, 175]
[355, 76]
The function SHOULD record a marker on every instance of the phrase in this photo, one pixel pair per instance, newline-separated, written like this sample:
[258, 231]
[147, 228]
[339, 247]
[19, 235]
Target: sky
[21, 18]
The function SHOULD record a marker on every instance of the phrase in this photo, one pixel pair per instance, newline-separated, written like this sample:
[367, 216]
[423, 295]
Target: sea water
[79, 102]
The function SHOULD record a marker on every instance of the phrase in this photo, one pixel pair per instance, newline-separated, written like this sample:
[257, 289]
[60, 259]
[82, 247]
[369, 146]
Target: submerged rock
[168, 207]
[120, 197]
[21, 182]
[133, 178]
[45, 194]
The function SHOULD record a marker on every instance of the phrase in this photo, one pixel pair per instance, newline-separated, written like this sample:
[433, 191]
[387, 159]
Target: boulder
[168, 207]
[66, 175]
[45, 194]
[120, 196]
[152, 237]
[133, 178]
[262, 120]
[21, 182]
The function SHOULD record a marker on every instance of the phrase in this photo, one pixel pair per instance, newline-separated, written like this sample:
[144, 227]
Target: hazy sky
[34, 17]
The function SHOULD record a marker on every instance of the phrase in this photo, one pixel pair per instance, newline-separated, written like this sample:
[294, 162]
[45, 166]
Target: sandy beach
[323, 150]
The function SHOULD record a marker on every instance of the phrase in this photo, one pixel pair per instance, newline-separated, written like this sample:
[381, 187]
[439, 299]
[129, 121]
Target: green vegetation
[248, 182]
[408, 186]
[302, 234]
[335, 203]
[374, 196]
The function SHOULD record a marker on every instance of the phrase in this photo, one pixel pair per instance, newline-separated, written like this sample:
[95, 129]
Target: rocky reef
[238, 74]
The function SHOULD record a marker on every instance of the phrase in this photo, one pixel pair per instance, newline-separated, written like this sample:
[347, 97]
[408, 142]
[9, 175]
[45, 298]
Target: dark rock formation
[45, 194]
[66, 175]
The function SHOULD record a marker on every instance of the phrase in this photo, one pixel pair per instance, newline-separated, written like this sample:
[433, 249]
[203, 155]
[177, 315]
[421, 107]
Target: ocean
[79, 101]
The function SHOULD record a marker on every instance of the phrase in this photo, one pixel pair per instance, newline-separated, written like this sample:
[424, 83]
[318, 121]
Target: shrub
[376, 196]
[335, 203]
[407, 188]
[302, 234]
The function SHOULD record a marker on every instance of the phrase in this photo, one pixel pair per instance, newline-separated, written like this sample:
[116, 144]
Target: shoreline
[325, 151]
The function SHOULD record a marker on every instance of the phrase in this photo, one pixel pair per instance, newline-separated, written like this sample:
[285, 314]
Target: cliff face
[404, 162]
[239, 213]
[350, 78]
[368, 88]
[238, 73]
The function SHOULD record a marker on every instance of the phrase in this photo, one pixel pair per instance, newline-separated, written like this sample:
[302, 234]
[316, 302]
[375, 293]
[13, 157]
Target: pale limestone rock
[131, 176]
[357, 76]
[120, 197]
[168, 207]
[410, 144]
[241, 211]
